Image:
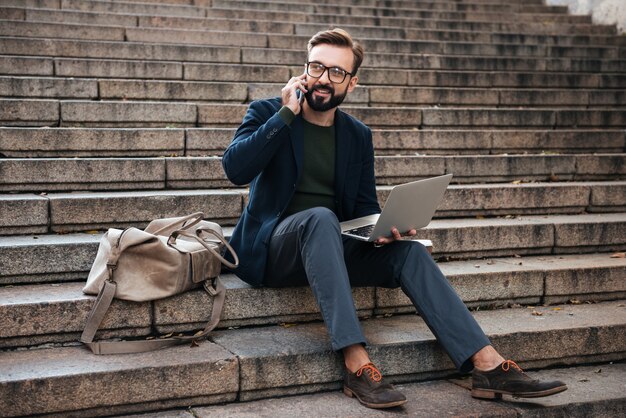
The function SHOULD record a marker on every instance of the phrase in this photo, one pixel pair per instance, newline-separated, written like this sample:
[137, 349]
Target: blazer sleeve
[255, 143]
[366, 199]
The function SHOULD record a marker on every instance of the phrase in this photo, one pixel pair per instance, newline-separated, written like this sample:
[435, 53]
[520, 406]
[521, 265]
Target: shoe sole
[497, 394]
[349, 393]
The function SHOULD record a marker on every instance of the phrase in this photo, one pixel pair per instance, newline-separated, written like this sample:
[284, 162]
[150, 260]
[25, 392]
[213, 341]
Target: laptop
[409, 206]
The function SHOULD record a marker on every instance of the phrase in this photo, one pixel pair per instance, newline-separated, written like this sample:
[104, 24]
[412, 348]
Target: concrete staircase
[114, 113]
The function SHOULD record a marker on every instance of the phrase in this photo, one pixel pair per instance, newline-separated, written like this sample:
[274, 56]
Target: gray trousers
[307, 249]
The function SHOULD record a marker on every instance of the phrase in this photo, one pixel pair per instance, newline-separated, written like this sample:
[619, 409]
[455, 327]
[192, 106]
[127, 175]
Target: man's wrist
[286, 115]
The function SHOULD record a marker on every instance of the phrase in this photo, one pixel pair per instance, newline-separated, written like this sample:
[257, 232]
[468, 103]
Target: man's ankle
[355, 357]
[487, 359]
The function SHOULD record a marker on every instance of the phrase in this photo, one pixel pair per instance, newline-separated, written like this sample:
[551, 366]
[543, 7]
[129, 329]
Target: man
[310, 166]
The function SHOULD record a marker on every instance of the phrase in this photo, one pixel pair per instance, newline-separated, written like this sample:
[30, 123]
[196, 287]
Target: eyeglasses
[335, 74]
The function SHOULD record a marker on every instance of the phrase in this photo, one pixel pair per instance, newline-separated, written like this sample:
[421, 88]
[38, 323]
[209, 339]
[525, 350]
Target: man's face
[323, 94]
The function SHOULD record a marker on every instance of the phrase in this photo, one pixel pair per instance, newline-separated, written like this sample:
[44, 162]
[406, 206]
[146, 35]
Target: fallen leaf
[167, 335]
[480, 217]
[516, 182]
[556, 309]
[575, 302]
[517, 256]
[490, 262]
[194, 343]
[198, 333]
[618, 255]
[92, 232]
[536, 313]
[287, 325]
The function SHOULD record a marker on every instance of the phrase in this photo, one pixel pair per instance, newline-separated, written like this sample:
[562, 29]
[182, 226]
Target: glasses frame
[327, 69]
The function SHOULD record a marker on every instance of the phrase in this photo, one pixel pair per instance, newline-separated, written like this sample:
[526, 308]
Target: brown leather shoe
[368, 387]
[509, 379]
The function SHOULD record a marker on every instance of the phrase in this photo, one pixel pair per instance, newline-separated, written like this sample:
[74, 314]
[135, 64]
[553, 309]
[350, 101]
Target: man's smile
[323, 91]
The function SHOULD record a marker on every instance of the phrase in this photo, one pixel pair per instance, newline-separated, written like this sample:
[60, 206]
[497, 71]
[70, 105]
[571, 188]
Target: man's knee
[413, 250]
[321, 218]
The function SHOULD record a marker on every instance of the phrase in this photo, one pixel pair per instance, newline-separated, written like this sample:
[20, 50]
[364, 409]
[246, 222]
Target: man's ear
[352, 84]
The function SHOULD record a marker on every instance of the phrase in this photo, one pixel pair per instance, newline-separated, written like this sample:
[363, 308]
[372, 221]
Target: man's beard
[318, 104]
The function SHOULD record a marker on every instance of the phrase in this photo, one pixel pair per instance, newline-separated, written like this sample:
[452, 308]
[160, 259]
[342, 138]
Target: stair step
[402, 346]
[140, 381]
[74, 174]
[314, 10]
[592, 391]
[45, 258]
[406, 350]
[134, 8]
[131, 69]
[139, 142]
[58, 312]
[249, 55]
[241, 38]
[291, 8]
[78, 113]
[446, 29]
[53, 87]
[475, 22]
[92, 142]
[76, 212]
[37, 87]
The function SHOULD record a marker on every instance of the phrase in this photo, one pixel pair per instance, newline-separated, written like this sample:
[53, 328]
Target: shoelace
[506, 366]
[372, 372]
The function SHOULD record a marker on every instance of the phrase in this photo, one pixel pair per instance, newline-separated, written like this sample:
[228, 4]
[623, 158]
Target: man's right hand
[289, 97]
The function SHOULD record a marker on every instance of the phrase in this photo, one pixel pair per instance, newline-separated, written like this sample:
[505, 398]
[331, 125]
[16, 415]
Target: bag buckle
[211, 290]
[111, 268]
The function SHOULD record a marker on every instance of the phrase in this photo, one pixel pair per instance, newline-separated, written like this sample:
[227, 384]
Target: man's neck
[326, 118]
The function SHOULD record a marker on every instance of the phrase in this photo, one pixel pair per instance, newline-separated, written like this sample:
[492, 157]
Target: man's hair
[341, 38]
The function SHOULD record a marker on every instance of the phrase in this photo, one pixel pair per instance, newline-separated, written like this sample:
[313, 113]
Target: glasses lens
[315, 69]
[336, 75]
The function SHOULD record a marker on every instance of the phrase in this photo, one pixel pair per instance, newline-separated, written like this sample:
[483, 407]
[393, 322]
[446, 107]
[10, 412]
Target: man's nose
[324, 78]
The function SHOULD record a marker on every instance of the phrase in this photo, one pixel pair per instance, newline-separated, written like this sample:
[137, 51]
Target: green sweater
[317, 182]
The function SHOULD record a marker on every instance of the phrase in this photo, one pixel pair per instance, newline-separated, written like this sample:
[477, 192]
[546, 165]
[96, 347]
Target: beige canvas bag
[168, 257]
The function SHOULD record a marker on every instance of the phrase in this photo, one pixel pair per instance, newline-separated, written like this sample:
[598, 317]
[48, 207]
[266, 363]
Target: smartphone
[300, 94]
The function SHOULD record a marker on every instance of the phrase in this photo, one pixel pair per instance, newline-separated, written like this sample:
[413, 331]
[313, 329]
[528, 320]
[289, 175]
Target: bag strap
[105, 297]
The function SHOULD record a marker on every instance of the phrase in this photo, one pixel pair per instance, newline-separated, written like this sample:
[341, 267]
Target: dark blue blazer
[268, 154]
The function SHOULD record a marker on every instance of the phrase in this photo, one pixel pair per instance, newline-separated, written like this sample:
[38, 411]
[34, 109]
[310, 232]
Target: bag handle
[172, 241]
[194, 218]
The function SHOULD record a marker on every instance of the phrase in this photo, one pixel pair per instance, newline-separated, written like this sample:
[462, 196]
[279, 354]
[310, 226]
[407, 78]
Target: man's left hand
[395, 235]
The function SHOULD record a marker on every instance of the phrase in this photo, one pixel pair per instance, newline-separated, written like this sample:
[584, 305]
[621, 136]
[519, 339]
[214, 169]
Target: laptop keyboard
[362, 231]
